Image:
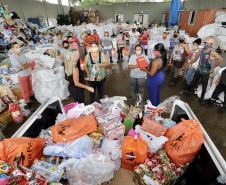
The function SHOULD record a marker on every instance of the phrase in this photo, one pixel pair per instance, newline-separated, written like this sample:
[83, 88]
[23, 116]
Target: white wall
[204, 4]
[35, 9]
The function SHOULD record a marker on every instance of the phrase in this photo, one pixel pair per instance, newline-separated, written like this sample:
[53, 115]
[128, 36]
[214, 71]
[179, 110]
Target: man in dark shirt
[221, 87]
[139, 29]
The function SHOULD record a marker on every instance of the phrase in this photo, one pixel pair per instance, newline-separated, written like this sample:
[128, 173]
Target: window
[180, 17]
[65, 2]
[52, 1]
[192, 17]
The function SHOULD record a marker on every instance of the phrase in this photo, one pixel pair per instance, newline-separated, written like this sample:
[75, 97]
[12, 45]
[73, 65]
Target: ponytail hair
[161, 48]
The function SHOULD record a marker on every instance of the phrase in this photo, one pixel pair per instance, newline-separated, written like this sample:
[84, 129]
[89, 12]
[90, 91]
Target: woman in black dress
[75, 76]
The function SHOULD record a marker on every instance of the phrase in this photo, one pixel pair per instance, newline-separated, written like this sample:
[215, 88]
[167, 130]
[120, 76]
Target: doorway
[118, 17]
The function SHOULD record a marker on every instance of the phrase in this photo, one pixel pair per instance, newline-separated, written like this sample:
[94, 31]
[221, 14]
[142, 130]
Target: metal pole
[22, 11]
[46, 13]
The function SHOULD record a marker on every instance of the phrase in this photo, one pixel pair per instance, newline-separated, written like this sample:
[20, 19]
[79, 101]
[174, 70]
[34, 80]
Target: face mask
[120, 32]
[195, 47]
[138, 52]
[71, 42]
[164, 37]
[66, 47]
[88, 34]
[181, 40]
[155, 53]
[206, 46]
[94, 49]
[133, 29]
[175, 35]
[17, 50]
[145, 32]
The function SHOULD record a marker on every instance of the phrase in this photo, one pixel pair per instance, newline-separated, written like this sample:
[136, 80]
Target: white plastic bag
[78, 148]
[113, 148]
[167, 105]
[60, 118]
[80, 110]
[94, 169]
[154, 143]
[49, 83]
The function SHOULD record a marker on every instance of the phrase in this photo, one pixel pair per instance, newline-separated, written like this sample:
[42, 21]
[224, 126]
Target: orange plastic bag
[113, 53]
[134, 151]
[185, 140]
[82, 65]
[73, 128]
[21, 150]
[125, 52]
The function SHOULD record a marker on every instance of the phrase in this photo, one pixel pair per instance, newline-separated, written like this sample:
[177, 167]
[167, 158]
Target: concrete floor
[118, 84]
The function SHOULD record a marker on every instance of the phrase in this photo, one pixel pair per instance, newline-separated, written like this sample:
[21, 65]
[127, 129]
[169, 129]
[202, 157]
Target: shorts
[144, 46]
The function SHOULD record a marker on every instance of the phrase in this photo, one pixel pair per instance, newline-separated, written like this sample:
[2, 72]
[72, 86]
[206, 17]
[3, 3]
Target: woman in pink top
[73, 44]
[144, 38]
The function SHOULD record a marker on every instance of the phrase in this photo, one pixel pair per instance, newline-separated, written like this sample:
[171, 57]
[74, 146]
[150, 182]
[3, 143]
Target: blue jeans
[154, 84]
[189, 75]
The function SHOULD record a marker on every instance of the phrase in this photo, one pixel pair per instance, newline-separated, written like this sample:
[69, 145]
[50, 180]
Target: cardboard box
[17, 91]
[10, 22]
[5, 118]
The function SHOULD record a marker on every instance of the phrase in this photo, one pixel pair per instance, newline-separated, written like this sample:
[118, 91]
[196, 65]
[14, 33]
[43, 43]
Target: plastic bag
[24, 176]
[167, 105]
[22, 150]
[96, 168]
[154, 143]
[48, 61]
[74, 128]
[185, 140]
[93, 73]
[113, 148]
[78, 148]
[60, 118]
[46, 134]
[134, 151]
[80, 110]
[70, 106]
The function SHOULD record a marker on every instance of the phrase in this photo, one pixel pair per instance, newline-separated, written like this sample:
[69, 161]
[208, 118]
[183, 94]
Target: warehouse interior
[207, 167]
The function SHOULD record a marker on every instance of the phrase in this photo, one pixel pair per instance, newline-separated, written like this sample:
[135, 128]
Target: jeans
[109, 53]
[176, 72]
[100, 86]
[140, 83]
[204, 79]
[169, 67]
[189, 75]
[132, 48]
[120, 53]
[26, 86]
[219, 89]
[154, 85]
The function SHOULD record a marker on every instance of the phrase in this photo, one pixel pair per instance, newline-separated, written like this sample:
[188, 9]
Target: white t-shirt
[133, 37]
[137, 73]
[166, 43]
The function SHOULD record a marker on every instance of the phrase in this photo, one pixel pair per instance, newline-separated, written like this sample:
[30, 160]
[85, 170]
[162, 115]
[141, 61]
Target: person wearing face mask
[133, 39]
[118, 29]
[73, 44]
[74, 38]
[165, 41]
[138, 77]
[121, 43]
[100, 61]
[75, 76]
[192, 67]
[95, 35]
[63, 51]
[173, 42]
[107, 44]
[155, 73]
[87, 40]
[205, 67]
[22, 65]
[144, 37]
[59, 41]
[178, 57]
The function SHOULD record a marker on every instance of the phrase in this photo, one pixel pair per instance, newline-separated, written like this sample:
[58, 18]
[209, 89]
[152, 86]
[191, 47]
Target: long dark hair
[161, 48]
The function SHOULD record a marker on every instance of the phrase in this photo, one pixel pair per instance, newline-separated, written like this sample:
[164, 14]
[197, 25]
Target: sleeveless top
[81, 77]
[205, 62]
[178, 53]
[161, 69]
[100, 71]
[192, 56]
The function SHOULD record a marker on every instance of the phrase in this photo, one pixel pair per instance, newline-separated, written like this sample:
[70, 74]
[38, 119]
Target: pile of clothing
[89, 143]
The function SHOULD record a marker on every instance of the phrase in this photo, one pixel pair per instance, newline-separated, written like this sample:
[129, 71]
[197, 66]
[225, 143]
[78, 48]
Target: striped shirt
[173, 43]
